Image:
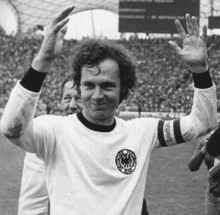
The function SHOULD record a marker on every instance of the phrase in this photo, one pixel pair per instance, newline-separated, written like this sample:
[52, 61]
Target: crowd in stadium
[164, 82]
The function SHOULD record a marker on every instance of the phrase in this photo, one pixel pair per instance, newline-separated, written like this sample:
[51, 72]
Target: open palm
[54, 35]
[194, 50]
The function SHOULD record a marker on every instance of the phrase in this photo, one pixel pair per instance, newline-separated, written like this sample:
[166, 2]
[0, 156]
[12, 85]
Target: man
[34, 197]
[95, 162]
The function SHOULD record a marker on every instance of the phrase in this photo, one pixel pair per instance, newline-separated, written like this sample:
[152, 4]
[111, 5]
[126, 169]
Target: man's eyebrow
[85, 82]
[109, 82]
[66, 94]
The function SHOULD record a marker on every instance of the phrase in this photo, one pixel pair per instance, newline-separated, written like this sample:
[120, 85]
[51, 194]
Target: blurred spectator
[164, 83]
[212, 199]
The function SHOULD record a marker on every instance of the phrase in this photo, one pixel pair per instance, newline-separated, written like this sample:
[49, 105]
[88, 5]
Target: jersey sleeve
[201, 120]
[20, 127]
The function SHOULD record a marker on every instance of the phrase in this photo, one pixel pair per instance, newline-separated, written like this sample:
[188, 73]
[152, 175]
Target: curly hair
[91, 52]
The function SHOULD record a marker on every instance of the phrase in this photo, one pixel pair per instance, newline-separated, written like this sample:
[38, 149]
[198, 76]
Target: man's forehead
[69, 86]
[107, 65]
[107, 70]
[94, 70]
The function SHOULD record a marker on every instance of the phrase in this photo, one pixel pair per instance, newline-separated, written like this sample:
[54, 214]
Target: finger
[204, 33]
[60, 25]
[189, 25]
[175, 46]
[195, 26]
[180, 29]
[63, 32]
[63, 14]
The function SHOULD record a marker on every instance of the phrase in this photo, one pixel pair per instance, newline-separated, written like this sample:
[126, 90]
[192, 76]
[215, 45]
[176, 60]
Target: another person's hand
[194, 50]
[204, 142]
[214, 172]
[215, 189]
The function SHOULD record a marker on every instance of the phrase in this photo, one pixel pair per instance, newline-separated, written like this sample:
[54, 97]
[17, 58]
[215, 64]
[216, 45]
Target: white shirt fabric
[33, 197]
[94, 172]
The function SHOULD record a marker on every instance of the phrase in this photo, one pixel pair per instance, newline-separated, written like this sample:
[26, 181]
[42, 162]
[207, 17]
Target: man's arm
[17, 119]
[203, 116]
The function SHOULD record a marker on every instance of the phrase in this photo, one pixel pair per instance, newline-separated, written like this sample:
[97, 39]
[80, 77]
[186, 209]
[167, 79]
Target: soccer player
[95, 162]
[34, 197]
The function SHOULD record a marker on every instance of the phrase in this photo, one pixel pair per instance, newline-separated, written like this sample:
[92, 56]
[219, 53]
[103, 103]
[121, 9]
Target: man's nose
[98, 93]
[73, 104]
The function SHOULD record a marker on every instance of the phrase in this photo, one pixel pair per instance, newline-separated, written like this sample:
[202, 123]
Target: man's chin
[100, 115]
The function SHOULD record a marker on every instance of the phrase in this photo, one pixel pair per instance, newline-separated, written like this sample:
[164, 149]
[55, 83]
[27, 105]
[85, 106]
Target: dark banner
[154, 16]
[214, 22]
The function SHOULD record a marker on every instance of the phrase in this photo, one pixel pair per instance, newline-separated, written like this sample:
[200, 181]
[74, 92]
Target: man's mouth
[98, 104]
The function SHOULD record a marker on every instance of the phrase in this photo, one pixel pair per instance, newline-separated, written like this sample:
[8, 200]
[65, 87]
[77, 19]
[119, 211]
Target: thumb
[174, 46]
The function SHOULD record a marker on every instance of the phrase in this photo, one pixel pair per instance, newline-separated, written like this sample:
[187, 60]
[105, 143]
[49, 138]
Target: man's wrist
[33, 80]
[202, 80]
[200, 68]
[41, 64]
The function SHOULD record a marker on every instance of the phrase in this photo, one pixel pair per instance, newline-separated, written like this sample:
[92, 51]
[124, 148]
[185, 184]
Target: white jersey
[33, 197]
[90, 170]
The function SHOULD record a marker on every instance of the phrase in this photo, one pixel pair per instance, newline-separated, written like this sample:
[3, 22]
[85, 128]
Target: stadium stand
[165, 83]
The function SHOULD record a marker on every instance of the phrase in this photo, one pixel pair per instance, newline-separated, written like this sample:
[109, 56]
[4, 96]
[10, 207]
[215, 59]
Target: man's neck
[95, 126]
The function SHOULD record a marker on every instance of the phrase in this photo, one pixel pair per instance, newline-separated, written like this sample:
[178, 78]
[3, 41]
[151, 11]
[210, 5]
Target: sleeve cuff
[33, 80]
[202, 80]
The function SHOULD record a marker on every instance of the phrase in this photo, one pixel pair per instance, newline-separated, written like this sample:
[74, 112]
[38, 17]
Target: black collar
[95, 127]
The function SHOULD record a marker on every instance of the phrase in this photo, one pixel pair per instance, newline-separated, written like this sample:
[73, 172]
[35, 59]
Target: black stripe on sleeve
[177, 131]
[202, 80]
[33, 80]
[160, 134]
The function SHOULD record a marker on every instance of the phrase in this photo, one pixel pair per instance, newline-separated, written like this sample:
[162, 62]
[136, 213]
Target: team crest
[126, 161]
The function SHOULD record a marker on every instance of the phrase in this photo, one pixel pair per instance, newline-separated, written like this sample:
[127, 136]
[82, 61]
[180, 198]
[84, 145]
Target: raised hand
[52, 43]
[194, 50]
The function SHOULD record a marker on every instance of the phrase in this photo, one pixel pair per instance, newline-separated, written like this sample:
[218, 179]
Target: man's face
[100, 92]
[70, 100]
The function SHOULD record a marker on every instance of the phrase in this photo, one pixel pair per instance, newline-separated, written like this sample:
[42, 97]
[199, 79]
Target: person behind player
[95, 162]
[34, 197]
[212, 199]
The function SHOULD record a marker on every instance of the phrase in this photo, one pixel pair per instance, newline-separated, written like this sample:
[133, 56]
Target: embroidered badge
[126, 161]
